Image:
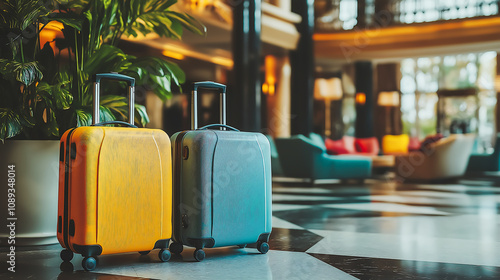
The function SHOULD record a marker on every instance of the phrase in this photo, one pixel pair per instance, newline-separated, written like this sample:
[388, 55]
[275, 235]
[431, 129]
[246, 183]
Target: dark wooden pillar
[384, 15]
[361, 14]
[302, 63]
[364, 112]
[244, 101]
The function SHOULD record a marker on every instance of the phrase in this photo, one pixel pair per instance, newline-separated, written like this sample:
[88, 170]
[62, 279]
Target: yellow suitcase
[115, 188]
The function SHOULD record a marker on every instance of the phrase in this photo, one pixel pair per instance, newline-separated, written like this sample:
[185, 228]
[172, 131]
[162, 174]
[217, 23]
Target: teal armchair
[486, 162]
[302, 157]
[275, 161]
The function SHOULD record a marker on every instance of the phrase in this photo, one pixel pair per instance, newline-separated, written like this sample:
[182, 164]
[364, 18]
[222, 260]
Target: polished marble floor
[333, 230]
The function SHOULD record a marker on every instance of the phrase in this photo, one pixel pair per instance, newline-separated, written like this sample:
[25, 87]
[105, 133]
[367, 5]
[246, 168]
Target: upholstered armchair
[445, 158]
[486, 162]
[275, 161]
[302, 157]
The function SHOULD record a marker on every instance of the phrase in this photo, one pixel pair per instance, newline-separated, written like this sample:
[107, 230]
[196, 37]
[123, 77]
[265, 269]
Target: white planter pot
[36, 185]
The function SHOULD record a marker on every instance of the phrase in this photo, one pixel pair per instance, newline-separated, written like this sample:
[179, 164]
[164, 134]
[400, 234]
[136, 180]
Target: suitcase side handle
[97, 88]
[194, 101]
[218, 125]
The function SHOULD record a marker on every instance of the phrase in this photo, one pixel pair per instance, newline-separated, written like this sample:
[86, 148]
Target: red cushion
[414, 144]
[349, 144]
[341, 146]
[367, 145]
[335, 147]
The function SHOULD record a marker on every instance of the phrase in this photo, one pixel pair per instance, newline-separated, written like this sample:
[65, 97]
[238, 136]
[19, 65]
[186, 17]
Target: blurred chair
[275, 161]
[486, 162]
[302, 157]
[395, 144]
[445, 158]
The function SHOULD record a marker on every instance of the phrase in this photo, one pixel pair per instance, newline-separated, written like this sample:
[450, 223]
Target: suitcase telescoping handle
[97, 89]
[194, 101]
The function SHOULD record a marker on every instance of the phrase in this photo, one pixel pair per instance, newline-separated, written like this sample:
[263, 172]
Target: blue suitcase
[222, 185]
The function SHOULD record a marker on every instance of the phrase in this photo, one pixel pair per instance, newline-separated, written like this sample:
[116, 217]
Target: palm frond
[141, 116]
[155, 16]
[84, 116]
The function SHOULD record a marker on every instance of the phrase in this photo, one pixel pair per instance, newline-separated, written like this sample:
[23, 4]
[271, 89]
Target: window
[410, 11]
[421, 79]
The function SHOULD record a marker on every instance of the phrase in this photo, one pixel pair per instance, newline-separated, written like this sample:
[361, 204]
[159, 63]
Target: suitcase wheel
[143, 253]
[176, 247]
[263, 247]
[66, 267]
[89, 263]
[66, 255]
[164, 255]
[199, 255]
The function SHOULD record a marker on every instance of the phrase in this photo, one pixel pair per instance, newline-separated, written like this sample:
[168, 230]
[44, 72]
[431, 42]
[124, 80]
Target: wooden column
[383, 12]
[361, 14]
[278, 105]
[245, 101]
[302, 63]
[364, 112]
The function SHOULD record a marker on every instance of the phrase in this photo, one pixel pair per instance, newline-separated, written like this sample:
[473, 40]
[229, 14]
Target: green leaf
[83, 117]
[106, 59]
[58, 93]
[141, 116]
[163, 82]
[154, 16]
[177, 74]
[188, 22]
[11, 124]
[105, 114]
[166, 5]
[70, 19]
[20, 14]
[116, 104]
[26, 73]
[52, 129]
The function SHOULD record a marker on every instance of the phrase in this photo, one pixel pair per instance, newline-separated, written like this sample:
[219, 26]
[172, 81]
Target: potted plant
[46, 89]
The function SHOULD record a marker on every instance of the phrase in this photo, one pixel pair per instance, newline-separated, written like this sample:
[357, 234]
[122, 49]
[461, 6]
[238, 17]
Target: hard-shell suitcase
[115, 187]
[222, 185]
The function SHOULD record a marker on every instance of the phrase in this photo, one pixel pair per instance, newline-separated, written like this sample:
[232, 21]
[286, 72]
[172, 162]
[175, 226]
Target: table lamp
[388, 99]
[328, 90]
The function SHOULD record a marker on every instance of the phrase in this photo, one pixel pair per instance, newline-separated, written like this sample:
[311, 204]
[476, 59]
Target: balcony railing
[337, 15]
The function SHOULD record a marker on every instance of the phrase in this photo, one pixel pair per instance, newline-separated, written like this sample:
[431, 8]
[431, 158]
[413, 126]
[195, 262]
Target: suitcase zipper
[66, 190]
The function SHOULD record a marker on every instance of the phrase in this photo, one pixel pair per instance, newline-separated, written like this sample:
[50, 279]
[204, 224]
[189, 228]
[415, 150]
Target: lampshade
[320, 88]
[330, 89]
[497, 83]
[334, 89]
[388, 98]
